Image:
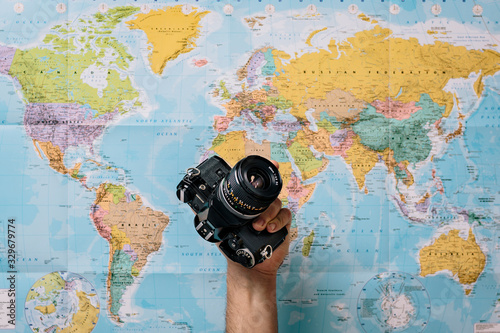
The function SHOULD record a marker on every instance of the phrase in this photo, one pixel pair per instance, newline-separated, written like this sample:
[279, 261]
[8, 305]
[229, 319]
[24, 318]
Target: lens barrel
[250, 187]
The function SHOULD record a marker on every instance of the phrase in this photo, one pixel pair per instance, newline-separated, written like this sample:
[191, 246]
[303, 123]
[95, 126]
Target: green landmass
[408, 138]
[120, 278]
[117, 191]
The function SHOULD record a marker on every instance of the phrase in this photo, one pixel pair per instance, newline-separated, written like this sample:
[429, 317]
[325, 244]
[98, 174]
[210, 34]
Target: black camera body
[226, 200]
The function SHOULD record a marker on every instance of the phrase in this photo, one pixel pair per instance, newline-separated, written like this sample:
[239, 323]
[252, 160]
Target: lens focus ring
[240, 192]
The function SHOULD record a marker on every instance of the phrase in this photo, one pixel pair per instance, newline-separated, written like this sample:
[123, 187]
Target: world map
[381, 115]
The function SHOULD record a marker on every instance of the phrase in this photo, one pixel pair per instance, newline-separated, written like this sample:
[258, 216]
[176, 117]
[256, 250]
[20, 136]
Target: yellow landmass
[170, 33]
[103, 197]
[95, 162]
[479, 86]
[53, 154]
[424, 198]
[85, 319]
[235, 146]
[361, 160]
[363, 66]
[409, 180]
[48, 309]
[463, 258]
[306, 249]
[457, 132]
[457, 101]
[231, 147]
[314, 33]
[253, 21]
[118, 239]
[303, 156]
[50, 282]
[304, 159]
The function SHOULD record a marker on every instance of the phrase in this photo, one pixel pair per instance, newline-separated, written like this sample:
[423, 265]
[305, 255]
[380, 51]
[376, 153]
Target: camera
[227, 200]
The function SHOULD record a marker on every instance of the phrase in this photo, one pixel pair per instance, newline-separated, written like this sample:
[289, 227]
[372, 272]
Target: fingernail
[272, 226]
[260, 223]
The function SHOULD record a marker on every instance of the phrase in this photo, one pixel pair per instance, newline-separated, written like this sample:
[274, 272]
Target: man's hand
[273, 219]
[251, 293]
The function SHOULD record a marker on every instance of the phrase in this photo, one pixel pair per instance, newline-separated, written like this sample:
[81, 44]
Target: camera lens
[250, 187]
[257, 179]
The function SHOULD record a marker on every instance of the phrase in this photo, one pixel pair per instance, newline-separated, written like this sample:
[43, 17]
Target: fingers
[276, 164]
[264, 218]
[274, 218]
[284, 218]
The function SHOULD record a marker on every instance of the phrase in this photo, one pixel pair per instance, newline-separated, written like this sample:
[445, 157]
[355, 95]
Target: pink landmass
[64, 124]
[221, 123]
[341, 141]
[295, 189]
[437, 123]
[6, 56]
[437, 182]
[70, 285]
[200, 62]
[395, 109]
[96, 215]
[84, 181]
[268, 111]
[268, 83]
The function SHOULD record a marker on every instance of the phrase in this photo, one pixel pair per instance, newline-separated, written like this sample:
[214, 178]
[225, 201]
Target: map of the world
[384, 117]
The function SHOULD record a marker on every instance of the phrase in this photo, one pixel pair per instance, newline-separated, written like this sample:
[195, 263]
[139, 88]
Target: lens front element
[250, 187]
[257, 179]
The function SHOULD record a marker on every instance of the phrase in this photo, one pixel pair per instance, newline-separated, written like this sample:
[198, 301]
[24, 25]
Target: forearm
[251, 301]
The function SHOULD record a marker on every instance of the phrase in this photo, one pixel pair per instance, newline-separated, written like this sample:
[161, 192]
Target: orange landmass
[463, 257]
[53, 154]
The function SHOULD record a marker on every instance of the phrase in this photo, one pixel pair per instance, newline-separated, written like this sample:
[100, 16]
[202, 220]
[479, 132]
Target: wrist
[250, 278]
[251, 296]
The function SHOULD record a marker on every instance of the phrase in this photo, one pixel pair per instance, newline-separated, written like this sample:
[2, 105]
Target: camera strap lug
[267, 252]
[193, 172]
